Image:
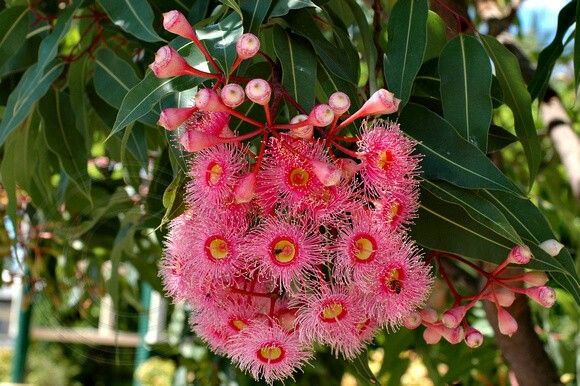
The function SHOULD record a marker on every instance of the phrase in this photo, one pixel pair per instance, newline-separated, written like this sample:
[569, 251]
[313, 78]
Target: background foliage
[83, 162]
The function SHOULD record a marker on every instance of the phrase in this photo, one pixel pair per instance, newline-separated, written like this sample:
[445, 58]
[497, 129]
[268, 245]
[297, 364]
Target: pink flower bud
[175, 21]
[452, 335]
[259, 91]
[207, 99]
[169, 63]
[473, 338]
[544, 296]
[453, 317]
[339, 102]
[551, 247]
[520, 254]
[381, 102]
[506, 323]
[535, 278]
[349, 167]
[431, 335]
[326, 173]
[193, 140]
[504, 296]
[321, 115]
[232, 95]
[412, 321]
[245, 189]
[172, 118]
[304, 132]
[247, 46]
[428, 315]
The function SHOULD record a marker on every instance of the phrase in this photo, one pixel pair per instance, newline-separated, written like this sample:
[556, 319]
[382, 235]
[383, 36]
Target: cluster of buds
[300, 242]
[500, 288]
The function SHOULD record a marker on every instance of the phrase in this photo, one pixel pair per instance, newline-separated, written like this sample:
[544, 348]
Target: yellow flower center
[214, 173]
[271, 353]
[364, 248]
[385, 158]
[332, 312]
[238, 324]
[284, 250]
[394, 211]
[298, 177]
[393, 280]
[216, 248]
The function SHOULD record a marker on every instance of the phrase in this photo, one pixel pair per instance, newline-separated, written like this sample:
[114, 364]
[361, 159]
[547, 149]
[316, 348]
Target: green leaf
[518, 99]
[233, 4]
[370, 52]
[577, 48]
[133, 16]
[282, 7]
[341, 61]
[328, 83]
[449, 157]
[533, 227]
[448, 227]
[406, 46]
[499, 138]
[256, 11]
[65, 140]
[436, 36]
[220, 40]
[13, 30]
[149, 91]
[113, 78]
[476, 207]
[298, 73]
[78, 75]
[465, 74]
[549, 55]
[38, 78]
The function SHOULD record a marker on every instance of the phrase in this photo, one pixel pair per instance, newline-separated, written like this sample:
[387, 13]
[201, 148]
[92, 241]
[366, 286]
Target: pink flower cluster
[293, 239]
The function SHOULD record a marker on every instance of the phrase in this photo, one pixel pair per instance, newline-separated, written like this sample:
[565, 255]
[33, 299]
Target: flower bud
[473, 338]
[381, 102]
[452, 335]
[551, 247]
[506, 323]
[431, 335]
[326, 173]
[348, 166]
[321, 115]
[175, 21]
[544, 296]
[339, 102]
[428, 315]
[304, 132]
[193, 140]
[207, 99]
[169, 63]
[520, 254]
[172, 118]
[535, 278]
[247, 46]
[245, 189]
[259, 91]
[232, 95]
[412, 321]
[504, 296]
[453, 317]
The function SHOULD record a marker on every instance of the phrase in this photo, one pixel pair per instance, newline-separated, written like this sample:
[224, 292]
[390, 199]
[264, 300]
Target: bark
[524, 351]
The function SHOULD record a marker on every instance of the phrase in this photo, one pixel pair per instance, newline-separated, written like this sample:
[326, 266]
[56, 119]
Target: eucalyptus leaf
[133, 16]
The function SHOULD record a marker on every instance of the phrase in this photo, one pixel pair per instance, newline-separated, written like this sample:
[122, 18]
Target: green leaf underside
[133, 16]
[549, 55]
[298, 74]
[406, 46]
[465, 74]
[282, 7]
[449, 157]
[518, 99]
